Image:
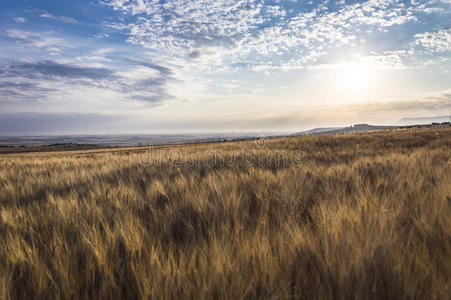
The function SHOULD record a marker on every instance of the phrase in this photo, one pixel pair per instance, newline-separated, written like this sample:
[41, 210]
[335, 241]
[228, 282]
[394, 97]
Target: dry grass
[363, 216]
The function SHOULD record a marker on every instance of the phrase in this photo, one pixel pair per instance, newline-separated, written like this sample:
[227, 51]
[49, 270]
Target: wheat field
[354, 216]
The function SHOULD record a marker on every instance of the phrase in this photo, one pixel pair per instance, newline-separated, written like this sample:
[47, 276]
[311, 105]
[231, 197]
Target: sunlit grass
[351, 216]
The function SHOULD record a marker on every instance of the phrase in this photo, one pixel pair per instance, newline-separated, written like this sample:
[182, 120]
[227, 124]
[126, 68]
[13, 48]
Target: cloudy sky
[150, 66]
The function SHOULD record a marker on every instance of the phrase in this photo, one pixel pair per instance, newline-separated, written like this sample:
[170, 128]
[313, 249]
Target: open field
[23, 144]
[360, 216]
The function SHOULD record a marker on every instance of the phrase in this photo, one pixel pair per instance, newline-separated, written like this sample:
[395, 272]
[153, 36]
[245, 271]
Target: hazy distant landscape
[121, 140]
[42, 142]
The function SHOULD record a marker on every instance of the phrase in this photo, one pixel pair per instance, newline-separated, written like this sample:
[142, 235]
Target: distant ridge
[352, 128]
[318, 130]
[403, 123]
[361, 127]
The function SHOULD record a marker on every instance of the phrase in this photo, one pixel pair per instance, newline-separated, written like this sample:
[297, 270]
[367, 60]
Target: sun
[353, 78]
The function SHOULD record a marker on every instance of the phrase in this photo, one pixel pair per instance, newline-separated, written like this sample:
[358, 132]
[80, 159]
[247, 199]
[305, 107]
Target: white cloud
[439, 41]
[43, 40]
[20, 20]
[249, 32]
[58, 18]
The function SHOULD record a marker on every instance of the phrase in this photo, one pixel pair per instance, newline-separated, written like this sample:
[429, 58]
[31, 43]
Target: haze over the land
[220, 65]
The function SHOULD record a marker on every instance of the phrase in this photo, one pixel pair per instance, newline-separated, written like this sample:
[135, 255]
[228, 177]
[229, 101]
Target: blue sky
[201, 66]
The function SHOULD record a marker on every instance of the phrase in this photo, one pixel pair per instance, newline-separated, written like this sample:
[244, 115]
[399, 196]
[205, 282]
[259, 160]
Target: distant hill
[403, 123]
[352, 128]
[422, 120]
[361, 127]
[318, 130]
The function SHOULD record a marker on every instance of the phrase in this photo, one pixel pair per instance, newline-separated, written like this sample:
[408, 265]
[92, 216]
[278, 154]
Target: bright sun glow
[353, 78]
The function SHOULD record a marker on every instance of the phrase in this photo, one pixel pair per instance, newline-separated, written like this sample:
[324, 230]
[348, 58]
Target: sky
[186, 66]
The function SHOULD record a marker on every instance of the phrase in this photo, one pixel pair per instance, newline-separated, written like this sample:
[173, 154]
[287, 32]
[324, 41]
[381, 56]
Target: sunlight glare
[353, 78]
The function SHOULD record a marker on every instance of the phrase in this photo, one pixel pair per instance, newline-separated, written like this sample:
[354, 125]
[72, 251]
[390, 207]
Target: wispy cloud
[58, 18]
[23, 90]
[20, 20]
[246, 31]
[134, 62]
[438, 41]
[43, 40]
[437, 102]
[51, 69]
[19, 78]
